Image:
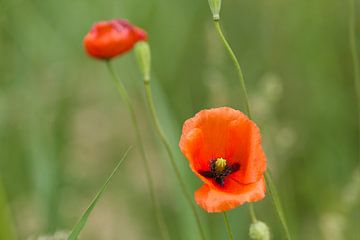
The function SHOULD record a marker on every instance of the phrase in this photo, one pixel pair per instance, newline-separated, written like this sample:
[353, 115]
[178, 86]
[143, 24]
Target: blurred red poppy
[109, 39]
[224, 150]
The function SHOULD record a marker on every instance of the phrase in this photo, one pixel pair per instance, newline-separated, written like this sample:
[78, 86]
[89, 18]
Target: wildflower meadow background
[63, 126]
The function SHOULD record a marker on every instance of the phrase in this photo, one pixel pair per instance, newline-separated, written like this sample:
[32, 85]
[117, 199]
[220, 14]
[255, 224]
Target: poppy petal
[212, 200]
[192, 146]
[254, 165]
[213, 124]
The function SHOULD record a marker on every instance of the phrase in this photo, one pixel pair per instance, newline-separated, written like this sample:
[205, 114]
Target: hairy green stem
[228, 227]
[124, 95]
[167, 145]
[273, 192]
[237, 66]
[252, 213]
[355, 59]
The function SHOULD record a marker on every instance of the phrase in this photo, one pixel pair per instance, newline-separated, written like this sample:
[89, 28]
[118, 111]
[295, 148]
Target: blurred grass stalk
[7, 230]
[45, 153]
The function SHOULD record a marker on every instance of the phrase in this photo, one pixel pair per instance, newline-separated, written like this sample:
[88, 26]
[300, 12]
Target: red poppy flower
[109, 39]
[224, 150]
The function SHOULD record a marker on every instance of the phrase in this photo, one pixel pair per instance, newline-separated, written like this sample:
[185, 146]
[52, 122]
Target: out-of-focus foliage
[62, 125]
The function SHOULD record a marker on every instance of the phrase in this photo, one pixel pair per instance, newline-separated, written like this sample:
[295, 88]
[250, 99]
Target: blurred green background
[63, 126]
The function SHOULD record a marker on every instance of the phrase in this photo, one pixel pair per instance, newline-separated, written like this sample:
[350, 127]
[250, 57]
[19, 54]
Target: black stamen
[220, 181]
[207, 174]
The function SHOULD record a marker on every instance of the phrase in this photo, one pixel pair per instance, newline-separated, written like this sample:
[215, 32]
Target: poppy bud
[143, 56]
[215, 6]
[109, 39]
[259, 231]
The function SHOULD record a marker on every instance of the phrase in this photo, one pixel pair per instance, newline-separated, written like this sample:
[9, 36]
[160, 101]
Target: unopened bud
[215, 6]
[143, 56]
[259, 231]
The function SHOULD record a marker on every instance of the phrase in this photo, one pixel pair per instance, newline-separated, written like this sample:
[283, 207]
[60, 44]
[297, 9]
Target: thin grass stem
[273, 191]
[228, 227]
[167, 145]
[124, 95]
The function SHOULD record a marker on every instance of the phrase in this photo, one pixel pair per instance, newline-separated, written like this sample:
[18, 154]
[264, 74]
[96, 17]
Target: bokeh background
[63, 126]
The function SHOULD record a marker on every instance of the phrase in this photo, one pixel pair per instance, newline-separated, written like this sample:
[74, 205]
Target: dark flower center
[219, 169]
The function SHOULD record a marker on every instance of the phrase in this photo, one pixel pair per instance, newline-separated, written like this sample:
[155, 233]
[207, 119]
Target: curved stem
[355, 59]
[273, 191]
[228, 227]
[166, 143]
[124, 95]
[237, 66]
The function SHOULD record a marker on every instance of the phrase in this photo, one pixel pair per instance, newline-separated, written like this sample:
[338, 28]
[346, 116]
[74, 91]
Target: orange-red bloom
[109, 39]
[224, 150]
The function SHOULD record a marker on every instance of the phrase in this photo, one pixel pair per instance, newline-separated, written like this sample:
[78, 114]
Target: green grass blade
[81, 223]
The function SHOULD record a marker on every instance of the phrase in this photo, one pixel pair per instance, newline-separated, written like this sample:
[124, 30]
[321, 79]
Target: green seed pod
[259, 231]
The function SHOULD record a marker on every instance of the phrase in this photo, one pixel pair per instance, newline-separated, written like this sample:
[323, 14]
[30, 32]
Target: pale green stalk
[252, 213]
[124, 95]
[228, 227]
[166, 143]
[237, 66]
[272, 188]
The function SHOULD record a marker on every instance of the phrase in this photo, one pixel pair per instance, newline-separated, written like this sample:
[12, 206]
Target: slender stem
[237, 66]
[273, 191]
[355, 58]
[124, 95]
[252, 213]
[166, 143]
[228, 227]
